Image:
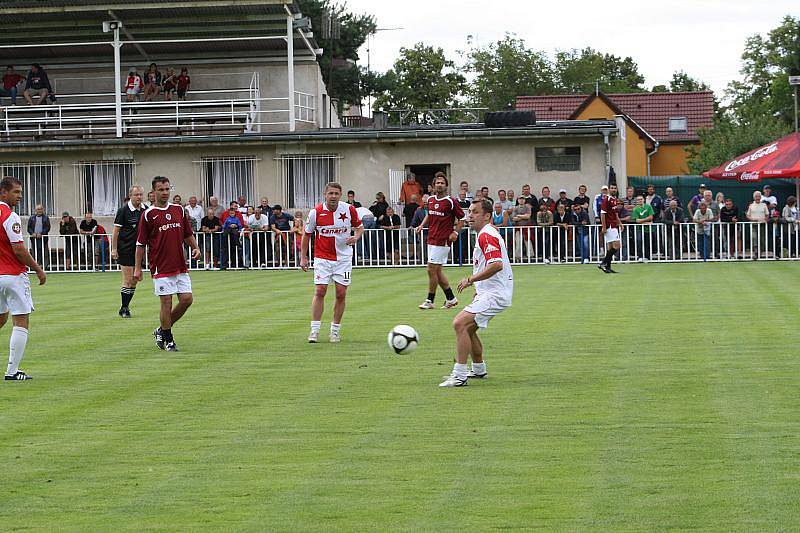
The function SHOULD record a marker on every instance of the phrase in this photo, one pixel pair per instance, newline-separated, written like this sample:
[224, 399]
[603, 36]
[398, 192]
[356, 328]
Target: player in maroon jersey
[165, 228]
[444, 221]
[611, 227]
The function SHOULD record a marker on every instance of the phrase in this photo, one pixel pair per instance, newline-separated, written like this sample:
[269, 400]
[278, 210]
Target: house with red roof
[659, 126]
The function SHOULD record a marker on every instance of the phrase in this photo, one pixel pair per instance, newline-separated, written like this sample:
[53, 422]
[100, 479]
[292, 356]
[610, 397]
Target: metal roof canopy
[71, 32]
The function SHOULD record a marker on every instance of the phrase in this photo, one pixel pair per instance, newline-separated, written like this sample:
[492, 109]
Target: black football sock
[609, 256]
[166, 334]
[448, 293]
[127, 295]
[431, 296]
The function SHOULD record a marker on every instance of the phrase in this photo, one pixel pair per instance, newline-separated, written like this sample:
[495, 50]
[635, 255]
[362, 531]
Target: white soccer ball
[403, 339]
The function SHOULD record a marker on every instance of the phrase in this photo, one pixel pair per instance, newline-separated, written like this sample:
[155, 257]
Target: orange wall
[635, 147]
[669, 161]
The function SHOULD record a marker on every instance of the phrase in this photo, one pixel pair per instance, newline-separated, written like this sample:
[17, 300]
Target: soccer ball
[403, 339]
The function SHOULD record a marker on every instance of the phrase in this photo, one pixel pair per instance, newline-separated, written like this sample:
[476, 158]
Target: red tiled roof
[651, 111]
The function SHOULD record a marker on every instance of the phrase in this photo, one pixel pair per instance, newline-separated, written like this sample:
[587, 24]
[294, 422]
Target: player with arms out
[164, 229]
[444, 224]
[123, 244]
[494, 288]
[611, 228]
[331, 222]
[15, 288]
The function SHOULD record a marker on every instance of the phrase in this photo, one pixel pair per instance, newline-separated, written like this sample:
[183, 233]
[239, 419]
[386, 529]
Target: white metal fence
[403, 248]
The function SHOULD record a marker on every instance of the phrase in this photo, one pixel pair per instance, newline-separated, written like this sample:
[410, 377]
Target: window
[565, 159]
[104, 184]
[678, 125]
[38, 187]
[228, 178]
[305, 176]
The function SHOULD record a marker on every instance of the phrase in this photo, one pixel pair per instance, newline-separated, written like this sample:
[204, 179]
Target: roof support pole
[117, 82]
[290, 68]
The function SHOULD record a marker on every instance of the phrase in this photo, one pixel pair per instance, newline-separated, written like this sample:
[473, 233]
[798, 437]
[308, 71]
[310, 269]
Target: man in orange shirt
[409, 188]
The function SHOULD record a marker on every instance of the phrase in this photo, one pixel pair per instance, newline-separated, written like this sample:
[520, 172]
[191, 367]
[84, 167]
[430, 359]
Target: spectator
[68, 227]
[544, 219]
[673, 217]
[462, 200]
[758, 212]
[243, 205]
[210, 226]
[505, 203]
[670, 196]
[38, 229]
[298, 228]
[177, 200]
[629, 237]
[582, 198]
[258, 224]
[133, 86]
[390, 224]
[169, 84]
[232, 228]
[697, 198]
[239, 215]
[281, 224]
[501, 219]
[529, 198]
[152, 82]
[213, 203]
[184, 83]
[351, 199]
[719, 199]
[151, 198]
[195, 212]
[580, 219]
[510, 196]
[711, 204]
[773, 230]
[485, 194]
[789, 217]
[522, 220]
[562, 220]
[420, 213]
[546, 200]
[101, 248]
[643, 215]
[37, 84]
[410, 208]
[11, 79]
[88, 228]
[704, 219]
[464, 187]
[729, 216]
[410, 188]
[379, 206]
[563, 200]
[655, 201]
[767, 197]
[598, 200]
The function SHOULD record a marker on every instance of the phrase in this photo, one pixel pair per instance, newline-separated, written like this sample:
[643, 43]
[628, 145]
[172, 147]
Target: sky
[702, 37]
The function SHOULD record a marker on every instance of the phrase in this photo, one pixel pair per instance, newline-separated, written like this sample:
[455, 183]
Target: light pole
[794, 81]
[369, 62]
[114, 26]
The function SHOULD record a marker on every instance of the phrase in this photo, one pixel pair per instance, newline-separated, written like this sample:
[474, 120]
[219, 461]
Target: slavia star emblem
[343, 216]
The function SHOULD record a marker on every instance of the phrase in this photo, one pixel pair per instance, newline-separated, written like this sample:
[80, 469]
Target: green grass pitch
[663, 397]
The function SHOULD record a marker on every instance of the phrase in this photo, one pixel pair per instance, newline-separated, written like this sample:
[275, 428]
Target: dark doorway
[425, 173]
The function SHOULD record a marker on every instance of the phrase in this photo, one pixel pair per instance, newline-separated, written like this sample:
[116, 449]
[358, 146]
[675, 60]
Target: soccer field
[662, 397]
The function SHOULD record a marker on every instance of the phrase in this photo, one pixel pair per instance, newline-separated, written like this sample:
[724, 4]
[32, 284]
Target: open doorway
[425, 173]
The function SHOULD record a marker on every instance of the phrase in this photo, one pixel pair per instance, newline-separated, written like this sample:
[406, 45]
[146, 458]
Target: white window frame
[83, 169]
[46, 173]
[674, 120]
[306, 168]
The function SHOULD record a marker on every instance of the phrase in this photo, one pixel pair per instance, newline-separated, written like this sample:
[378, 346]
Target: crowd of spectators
[153, 84]
[36, 87]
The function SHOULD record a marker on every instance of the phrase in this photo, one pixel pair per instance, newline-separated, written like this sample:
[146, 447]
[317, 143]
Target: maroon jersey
[443, 213]
[609, 207]
[163, 230]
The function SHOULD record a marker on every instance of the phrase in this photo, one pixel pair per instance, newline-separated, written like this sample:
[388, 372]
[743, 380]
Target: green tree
[577, 71]
[422, 77]
[683, 82]
[506, 69]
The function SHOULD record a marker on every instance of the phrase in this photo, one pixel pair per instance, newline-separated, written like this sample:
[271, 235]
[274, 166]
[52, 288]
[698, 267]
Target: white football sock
[315, 325]
[479, 368]
[460, 371]
[335, 328]
[19, 338]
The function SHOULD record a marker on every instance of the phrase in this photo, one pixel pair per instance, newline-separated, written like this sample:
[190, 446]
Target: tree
[422, 78]
[340, 54]
[683, 82]
[506, 69]
[577, 71]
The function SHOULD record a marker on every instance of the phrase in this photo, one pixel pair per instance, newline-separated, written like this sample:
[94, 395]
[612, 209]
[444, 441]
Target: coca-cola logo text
[758, 154]
[748, 176]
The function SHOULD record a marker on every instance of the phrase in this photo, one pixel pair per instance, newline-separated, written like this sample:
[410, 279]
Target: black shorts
[127, 259]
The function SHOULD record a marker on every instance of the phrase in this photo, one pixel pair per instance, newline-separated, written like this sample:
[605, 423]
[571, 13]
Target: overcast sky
[703, 37]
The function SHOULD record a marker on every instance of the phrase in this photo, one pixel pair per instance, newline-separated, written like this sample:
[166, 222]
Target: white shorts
[178, 284]
[485, 307]
[339, 272]
[438, 255]
[15, 295]
[611, 235]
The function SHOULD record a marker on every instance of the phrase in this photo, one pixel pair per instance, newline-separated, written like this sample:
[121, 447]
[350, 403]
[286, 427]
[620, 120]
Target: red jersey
[163, 230]
[9, 264]
[443, 213]
[332, 230]
[609, 207]
[11, 80]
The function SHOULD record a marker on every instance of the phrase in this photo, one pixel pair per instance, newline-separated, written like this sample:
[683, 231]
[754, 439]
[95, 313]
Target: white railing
[403, 248]
[305, 107]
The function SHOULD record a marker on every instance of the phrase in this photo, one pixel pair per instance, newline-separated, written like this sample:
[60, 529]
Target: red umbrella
[779, 159]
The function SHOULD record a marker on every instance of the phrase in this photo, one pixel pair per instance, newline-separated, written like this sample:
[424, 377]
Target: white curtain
[231, 178]
[109, 184]
[307, 178]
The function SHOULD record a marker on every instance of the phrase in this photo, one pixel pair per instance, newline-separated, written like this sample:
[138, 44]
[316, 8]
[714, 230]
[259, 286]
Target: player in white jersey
[494, 287]
[332, 223]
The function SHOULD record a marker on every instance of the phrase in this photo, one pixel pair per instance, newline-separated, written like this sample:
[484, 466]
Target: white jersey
[491, 248]
[332, 230]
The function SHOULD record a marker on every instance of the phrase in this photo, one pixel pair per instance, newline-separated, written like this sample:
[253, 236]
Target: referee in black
[123, 244]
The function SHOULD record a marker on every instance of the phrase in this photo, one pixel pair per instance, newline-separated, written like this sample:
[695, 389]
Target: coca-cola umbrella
[778, 159]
